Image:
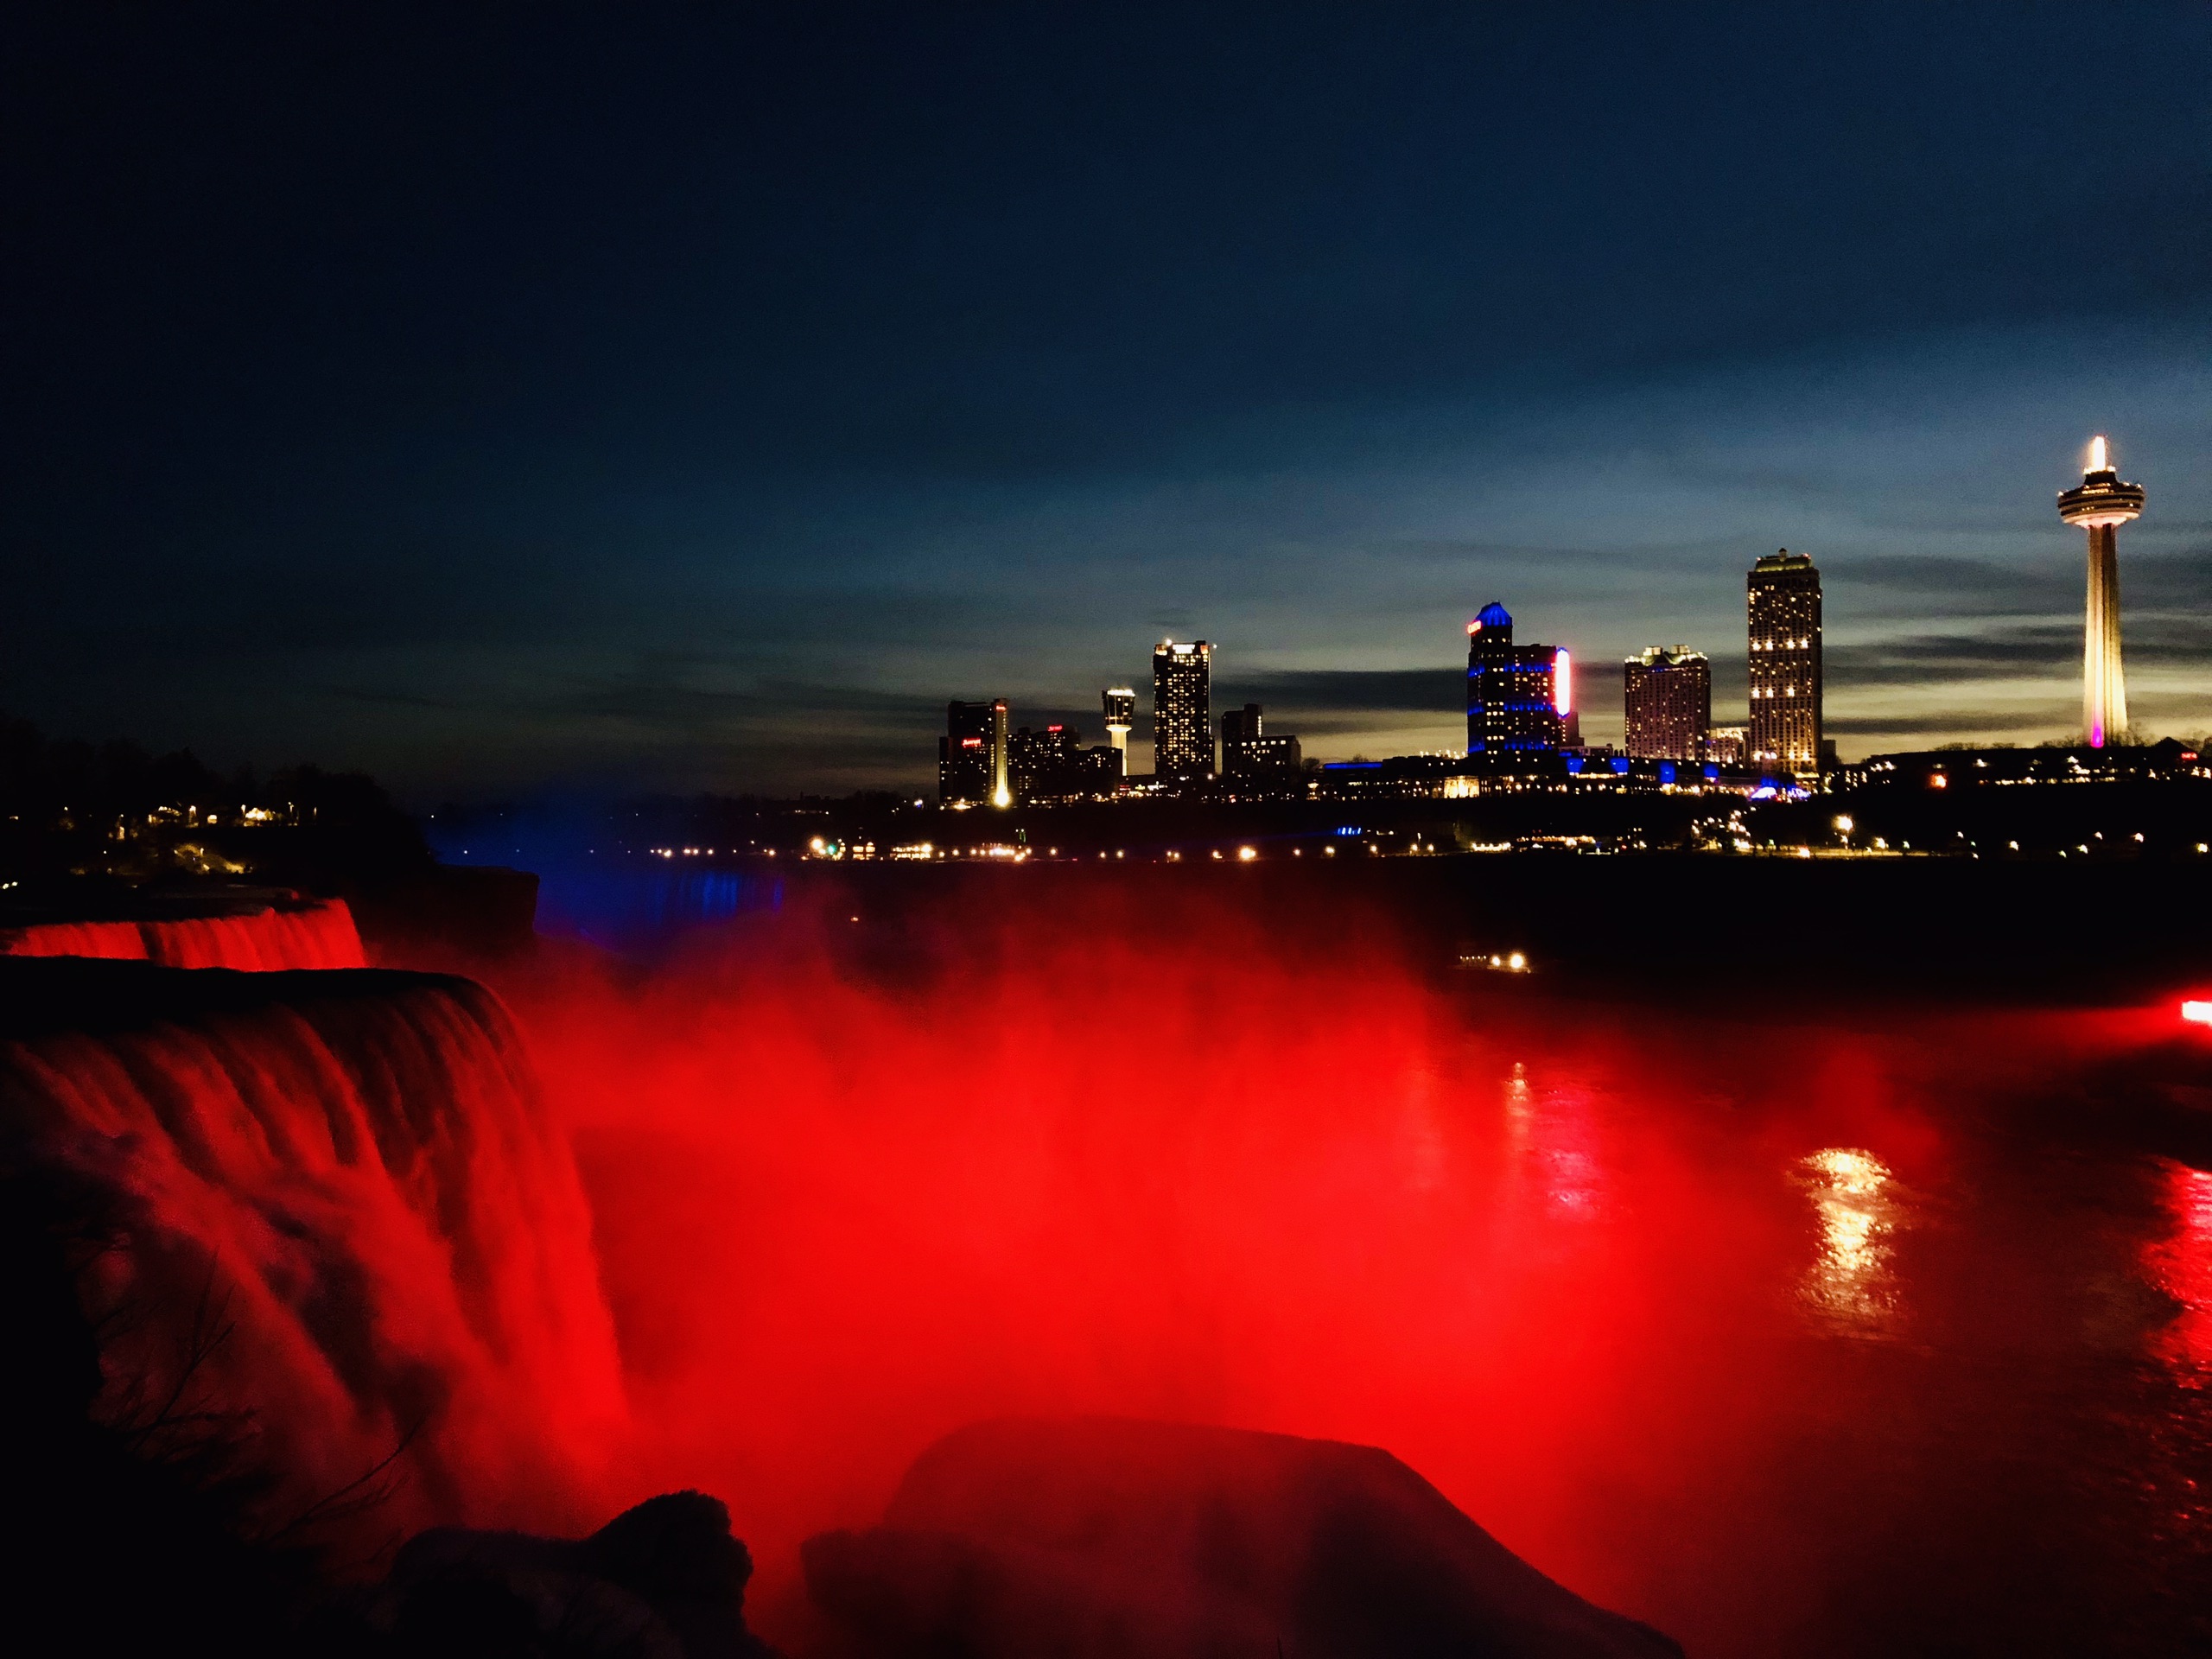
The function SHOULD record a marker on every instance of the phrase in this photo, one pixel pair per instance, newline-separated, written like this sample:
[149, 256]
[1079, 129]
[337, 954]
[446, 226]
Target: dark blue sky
[680, 395]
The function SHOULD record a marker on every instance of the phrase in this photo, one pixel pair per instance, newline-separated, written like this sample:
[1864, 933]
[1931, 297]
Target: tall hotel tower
[1667, 695]
[2101, 506]
[1519, 697]
[971, 756]
[1784, 598]
[1182, 709]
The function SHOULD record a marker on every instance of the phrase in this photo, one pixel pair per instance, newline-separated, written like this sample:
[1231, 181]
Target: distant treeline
[69, 807]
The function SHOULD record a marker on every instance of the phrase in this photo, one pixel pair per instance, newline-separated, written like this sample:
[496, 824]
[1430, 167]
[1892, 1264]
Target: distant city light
[1246, 854]
[1844, 825]
[1563, 685]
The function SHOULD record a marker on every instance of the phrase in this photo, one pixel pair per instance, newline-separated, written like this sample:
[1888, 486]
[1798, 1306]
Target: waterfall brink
[338, 1221]
[318, 934]
[115, 941]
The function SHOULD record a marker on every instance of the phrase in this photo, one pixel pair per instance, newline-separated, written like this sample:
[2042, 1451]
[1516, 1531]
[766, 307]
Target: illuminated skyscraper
[2101, 505]
[1046, 764]
[1182, 709]
[1247, 752]
[1518, 697]
[971, 756]
[1667, 694]
[1785, 602]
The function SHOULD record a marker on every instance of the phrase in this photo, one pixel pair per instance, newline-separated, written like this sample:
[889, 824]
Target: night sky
[678, 396]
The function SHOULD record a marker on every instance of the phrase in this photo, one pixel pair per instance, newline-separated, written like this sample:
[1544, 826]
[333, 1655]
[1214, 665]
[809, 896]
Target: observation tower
[1121, 705]
[2101, 506]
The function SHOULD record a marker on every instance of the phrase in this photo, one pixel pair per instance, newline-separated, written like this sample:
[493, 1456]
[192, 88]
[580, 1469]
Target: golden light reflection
[1852, 1284]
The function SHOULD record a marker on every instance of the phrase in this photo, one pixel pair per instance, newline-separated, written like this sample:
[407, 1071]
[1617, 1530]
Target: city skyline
[1525, 698]
[442, 451]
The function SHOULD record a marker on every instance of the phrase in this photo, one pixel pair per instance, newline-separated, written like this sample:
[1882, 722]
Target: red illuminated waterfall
[779, 1212]
[319, 934]
[340, 1211]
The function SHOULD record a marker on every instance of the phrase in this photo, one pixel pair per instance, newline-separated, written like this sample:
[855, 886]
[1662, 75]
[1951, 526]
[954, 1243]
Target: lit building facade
[1667, 692]
[2100, 504]
[971, 756]
[1247, 752]
[1784, 601]
[1182, 709]
[1050, 765]
[1518, 697]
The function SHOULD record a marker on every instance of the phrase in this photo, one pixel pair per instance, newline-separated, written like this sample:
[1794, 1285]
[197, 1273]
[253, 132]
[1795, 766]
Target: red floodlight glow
[2197, 1013]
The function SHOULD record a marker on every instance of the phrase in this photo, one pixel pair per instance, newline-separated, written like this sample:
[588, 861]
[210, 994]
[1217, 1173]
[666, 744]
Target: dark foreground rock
[663, 1580]
[1101, 1536]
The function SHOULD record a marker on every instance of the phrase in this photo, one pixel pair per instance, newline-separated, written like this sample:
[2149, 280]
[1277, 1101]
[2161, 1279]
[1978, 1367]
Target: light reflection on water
[1558, 1134]
[1851, 1286]
[1938, 1383]
[2180, 1265]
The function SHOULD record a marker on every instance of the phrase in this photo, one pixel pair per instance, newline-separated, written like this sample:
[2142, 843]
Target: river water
[1864, 1327]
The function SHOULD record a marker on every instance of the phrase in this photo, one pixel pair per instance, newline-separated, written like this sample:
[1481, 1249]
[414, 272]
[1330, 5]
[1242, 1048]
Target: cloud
[1949, 723]
[1382, 690]
[2158, 639]
[1919, 573]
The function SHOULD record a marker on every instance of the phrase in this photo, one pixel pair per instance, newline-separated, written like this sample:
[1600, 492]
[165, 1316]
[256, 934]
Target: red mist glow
[1638, 1291]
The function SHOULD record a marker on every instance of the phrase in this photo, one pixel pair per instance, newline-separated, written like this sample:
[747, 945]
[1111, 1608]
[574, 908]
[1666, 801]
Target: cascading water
[319, 934]
[1752, 1328]
[343, 1224]
[112, 941]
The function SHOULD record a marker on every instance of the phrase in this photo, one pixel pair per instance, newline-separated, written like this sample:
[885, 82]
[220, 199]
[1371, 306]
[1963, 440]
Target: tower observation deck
[2101, 505]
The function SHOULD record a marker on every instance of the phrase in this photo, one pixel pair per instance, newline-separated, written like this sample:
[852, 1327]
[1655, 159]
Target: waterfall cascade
[340, 1223]
[317, 934]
